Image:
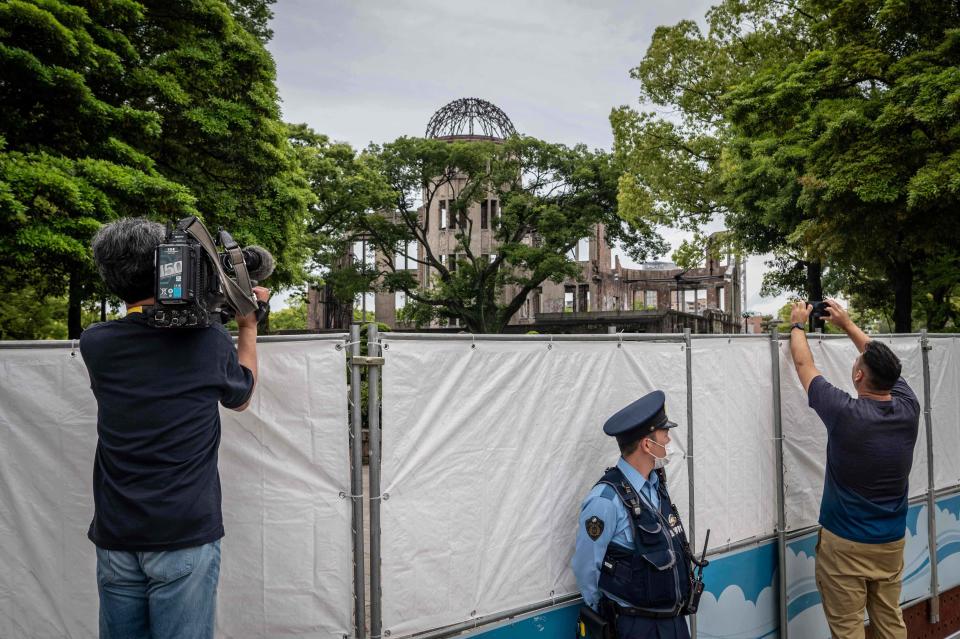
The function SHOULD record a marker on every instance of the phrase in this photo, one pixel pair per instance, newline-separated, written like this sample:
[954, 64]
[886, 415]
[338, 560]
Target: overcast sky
[366, 71]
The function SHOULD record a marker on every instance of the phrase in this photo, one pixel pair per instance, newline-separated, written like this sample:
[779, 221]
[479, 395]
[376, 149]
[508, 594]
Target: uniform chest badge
[672, 520]
[594, 527]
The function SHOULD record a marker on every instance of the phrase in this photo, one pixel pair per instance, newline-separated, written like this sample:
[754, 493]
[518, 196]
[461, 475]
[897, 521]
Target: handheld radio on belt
[696, 579]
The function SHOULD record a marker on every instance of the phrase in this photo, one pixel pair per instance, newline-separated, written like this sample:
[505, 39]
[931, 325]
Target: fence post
[691, 518]
[931, 483]
[356, 485]
[781, 509]
[376, 496]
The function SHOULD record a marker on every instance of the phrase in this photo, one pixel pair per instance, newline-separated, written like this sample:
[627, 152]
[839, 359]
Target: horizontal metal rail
[262, 339]
[543, 606]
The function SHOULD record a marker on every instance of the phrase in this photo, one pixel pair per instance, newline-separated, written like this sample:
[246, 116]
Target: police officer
[632, 560]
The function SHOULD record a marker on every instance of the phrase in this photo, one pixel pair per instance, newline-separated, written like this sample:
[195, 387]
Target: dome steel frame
[470, 117]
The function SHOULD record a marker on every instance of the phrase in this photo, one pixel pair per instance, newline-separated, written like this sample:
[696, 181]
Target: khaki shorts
[852, 578]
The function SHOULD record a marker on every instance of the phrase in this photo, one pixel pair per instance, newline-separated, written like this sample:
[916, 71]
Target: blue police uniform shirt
[603, 503]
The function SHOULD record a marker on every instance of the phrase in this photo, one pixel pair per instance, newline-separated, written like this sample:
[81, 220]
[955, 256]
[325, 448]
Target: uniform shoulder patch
[594, 527]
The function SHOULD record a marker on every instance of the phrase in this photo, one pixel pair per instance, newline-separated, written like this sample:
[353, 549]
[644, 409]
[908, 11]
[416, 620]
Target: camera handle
[240, 293]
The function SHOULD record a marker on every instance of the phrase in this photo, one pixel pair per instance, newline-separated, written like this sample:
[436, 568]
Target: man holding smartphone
[870, 442]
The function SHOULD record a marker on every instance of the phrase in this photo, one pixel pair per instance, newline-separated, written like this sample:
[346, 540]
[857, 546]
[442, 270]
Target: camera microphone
[259, 262]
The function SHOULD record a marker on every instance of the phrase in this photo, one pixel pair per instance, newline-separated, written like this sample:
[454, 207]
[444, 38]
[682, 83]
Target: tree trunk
[73, 307]
[902, 278]
[814, 281]
[938, 310]
[103, 309]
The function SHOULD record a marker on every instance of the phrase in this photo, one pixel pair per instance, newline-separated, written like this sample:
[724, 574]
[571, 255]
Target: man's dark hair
[124, 253]
[881, 364]
[629, 446]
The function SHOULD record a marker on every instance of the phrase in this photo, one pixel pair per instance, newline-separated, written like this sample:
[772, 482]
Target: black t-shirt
[869, 456]
[155, 479]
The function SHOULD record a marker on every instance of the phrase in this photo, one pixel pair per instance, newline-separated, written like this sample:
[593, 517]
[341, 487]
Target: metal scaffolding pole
[931, 483]
[373, 414]
[356, 484]
[781, 510]
[691, 518]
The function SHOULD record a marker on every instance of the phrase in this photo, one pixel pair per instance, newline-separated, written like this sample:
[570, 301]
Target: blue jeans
[158, 595]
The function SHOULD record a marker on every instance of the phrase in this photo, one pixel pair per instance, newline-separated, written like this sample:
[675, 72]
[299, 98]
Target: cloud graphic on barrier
[739, 600]
[733, 616]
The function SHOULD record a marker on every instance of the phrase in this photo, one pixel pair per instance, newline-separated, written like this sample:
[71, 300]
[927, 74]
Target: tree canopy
[116, 108]
[823, 132]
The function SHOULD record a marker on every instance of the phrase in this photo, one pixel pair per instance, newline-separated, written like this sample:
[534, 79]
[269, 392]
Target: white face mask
[660, 462]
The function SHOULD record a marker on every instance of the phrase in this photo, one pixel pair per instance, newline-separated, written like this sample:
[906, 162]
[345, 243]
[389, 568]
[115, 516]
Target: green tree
[292, 318]
[675, 162]
[67, 132]
[214, 85]
[116, 108]
[824, 132]
[865, 127]
[346, 186]
[550, 196]
[254, 16]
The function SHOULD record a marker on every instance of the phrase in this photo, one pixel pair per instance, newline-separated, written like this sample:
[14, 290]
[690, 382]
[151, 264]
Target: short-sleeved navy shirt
[155, 479]
[869, 455]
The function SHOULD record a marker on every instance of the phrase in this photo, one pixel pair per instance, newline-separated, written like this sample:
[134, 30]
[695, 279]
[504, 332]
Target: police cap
[640, 418]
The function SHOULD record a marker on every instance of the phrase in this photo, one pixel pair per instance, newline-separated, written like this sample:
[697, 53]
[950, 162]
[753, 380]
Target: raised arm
[838, 316]
[799, 348]
[247, 341]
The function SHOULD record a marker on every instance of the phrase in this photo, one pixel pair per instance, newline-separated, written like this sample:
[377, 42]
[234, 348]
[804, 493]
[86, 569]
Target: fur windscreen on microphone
[259, 262]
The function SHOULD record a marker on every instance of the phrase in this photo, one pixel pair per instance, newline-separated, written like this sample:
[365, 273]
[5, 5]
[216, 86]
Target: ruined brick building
[657, 297]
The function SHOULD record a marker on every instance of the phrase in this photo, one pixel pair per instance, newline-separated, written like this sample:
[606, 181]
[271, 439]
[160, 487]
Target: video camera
[199, 281]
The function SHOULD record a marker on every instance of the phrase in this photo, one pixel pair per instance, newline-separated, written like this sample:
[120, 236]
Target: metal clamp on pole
[931, 482]
[366, 361]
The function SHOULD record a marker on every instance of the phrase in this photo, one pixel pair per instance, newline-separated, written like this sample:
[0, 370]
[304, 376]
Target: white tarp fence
[945, 409]
[489, 447]
[735, 473]
[286, 558]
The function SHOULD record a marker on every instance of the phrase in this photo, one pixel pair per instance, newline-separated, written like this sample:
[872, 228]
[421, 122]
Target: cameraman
[157, 522]
[870, 440]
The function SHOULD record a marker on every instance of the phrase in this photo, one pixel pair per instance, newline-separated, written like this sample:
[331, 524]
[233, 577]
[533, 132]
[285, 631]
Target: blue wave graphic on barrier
[945, 547]
[948, 542]
[740, 596]
[951, 505]
[913, 520]
[801, 603]
[919, 571]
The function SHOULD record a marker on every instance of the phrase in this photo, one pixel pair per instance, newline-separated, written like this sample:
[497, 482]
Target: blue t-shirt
[869, 456]
[155, 479]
